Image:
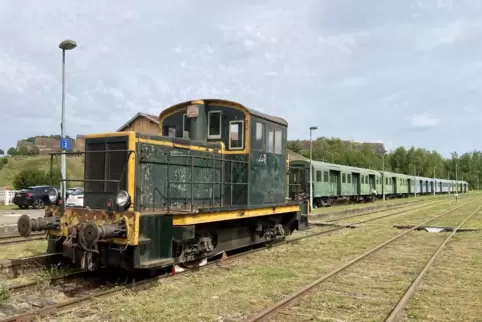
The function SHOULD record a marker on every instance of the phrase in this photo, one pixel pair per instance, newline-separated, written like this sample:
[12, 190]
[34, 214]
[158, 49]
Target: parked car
[36, 197]
[71, 190]
[75, 199]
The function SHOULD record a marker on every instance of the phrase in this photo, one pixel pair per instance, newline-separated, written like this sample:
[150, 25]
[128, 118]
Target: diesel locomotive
[213, 180]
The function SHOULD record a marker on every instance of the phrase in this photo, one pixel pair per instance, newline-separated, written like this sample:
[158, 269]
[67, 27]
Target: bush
[34, 177]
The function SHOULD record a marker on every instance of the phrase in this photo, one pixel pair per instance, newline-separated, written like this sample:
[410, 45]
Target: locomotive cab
[213, 180]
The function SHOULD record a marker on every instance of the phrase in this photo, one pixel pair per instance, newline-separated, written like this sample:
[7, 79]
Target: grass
[246, 285]
[451, 290]
[26, 249]
[4, 293]
[9, 207]
[75, 167]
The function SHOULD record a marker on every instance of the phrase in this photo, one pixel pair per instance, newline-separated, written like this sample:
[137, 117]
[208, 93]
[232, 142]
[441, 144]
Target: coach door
[371, 181]
[334, 183]
[394, 185]
[409, 182]
[356, 183]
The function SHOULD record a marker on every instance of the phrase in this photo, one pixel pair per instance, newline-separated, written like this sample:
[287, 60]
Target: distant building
[142, 122]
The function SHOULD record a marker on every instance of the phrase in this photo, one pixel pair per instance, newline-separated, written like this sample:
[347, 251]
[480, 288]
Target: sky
[398, 72]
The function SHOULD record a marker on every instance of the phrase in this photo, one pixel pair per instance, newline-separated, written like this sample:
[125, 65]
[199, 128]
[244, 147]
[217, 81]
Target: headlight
[53, 195]
[122, 198]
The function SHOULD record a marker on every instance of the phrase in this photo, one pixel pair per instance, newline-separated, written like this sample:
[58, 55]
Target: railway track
[395, 312]
[16, 238]
[13, 268]
[68, 305]
[375, 209]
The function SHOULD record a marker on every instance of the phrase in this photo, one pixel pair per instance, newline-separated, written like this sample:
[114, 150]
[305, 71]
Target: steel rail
[291, 299]
[402, 303]
[12, 239]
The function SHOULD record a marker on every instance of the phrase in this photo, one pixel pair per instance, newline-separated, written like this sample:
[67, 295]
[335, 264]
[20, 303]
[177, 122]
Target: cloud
[354, 69]
[424, 121]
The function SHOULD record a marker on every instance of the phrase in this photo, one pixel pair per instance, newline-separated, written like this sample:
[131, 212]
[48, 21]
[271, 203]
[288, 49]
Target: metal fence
[6, 196]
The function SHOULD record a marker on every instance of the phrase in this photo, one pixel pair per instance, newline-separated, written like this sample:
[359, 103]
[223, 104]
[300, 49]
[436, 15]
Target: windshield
[78, 192]
[26, 189]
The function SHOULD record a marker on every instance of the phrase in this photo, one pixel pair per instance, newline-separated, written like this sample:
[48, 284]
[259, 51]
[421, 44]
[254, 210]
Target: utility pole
[434, 183]
[383, 178]
[456, 180]
[448, 178]
[415, 180]
[311, 167]
[477, 181]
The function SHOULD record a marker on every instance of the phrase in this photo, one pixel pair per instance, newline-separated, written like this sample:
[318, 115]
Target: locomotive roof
[212, 101]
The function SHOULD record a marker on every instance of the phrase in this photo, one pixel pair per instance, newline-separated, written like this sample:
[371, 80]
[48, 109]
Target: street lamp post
[415, 180]
[313, 128]
[332, 157]
[456, 180]
[477, 181]
[64, 45]
[383, 177]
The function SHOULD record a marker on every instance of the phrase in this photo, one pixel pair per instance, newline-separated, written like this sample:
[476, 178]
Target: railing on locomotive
[62, 179]
[192, 183]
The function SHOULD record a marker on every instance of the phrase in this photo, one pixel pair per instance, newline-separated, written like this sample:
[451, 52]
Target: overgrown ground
[75, 167]
[363, 206]
[244, 286]
[24, 249]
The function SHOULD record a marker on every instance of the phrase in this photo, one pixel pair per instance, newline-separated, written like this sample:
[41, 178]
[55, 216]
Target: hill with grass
[75, 167]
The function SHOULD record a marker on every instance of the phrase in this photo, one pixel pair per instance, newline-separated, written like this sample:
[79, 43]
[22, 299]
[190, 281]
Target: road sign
[65, 144]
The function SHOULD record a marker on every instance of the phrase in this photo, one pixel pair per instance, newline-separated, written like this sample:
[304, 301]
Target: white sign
[192, 111]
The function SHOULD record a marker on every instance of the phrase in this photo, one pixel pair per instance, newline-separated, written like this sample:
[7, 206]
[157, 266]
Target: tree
[2, 152]
[34, 177]
[29, 177]
[34, 151]
[23, 150]
[12, 151]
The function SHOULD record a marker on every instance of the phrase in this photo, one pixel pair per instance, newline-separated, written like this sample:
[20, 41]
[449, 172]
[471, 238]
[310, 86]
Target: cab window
[214, 124]
[278, 141]
[259, 137]
[236, 135]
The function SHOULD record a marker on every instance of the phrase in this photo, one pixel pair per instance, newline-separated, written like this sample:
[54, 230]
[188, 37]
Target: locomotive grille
[104, 166]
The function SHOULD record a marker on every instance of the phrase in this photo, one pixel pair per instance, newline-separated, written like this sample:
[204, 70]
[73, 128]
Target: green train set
[332, 182]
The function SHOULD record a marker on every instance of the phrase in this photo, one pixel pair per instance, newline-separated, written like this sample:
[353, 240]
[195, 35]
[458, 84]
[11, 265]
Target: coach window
[362, 179]
[259, 136]
[236, 135]
[270, 140]
[214, 124]
[318, 176]
[278, 141]
[349, 178]
[343, 178]
[325, 176]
